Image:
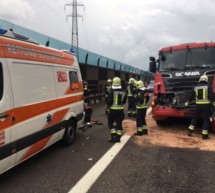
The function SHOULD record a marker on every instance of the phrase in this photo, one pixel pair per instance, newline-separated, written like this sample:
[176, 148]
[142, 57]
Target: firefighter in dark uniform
[116, 100]
[132, 91]
[204, 98]
[107, 89]
[87, 108]
[141, 106]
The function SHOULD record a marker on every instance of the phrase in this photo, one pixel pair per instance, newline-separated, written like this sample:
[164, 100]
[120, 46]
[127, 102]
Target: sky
[129, 31]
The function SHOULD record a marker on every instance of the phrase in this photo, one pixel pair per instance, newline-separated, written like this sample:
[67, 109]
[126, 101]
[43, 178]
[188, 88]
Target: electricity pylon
[74, 15]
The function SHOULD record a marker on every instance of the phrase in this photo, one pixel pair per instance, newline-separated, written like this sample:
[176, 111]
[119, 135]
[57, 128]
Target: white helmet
[109, 81]
[203, 78]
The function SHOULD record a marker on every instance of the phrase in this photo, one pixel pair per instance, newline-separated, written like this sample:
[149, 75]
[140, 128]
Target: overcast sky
[128, 31]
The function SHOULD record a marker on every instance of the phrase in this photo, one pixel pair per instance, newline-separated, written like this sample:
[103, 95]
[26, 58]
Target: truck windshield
[187, 59]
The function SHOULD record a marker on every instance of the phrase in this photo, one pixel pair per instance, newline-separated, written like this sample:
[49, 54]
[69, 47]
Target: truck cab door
[7, 158]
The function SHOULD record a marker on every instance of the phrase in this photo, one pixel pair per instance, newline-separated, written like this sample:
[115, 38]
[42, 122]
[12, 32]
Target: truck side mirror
[152, 64]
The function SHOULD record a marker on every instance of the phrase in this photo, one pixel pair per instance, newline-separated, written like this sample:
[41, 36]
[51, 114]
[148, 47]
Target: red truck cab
[177, 70]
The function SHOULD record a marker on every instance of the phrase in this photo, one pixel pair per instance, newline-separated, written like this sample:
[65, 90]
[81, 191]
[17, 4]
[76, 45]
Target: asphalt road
[145, 168]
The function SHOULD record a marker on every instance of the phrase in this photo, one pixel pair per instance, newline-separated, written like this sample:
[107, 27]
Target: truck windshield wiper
[171, 69]
[197, 67]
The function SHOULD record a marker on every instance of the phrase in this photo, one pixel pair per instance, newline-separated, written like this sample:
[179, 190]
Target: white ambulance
[41, 98]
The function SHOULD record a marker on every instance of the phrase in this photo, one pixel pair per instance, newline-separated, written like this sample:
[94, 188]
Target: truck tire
[162, 122]
[166, 122]
[69, 134]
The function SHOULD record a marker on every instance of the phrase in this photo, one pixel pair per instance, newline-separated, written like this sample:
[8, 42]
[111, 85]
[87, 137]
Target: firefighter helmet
[116, 81]
[109, 81]
[135, 82]
[85, 83]
[203, 78]
[140, 84]
[131, 80]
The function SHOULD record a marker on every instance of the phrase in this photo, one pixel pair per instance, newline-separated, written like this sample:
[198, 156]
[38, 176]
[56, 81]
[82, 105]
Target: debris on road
[171, 136]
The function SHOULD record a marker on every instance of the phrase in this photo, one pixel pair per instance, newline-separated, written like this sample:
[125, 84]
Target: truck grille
[180, 84]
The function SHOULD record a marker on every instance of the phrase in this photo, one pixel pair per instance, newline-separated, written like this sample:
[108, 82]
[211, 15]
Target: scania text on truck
[177, 70]
[41, 98]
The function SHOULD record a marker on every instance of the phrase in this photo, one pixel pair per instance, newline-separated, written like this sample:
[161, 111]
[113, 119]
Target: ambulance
[41, 98]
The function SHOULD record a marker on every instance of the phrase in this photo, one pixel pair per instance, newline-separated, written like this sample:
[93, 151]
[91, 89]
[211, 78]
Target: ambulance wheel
[70, 133]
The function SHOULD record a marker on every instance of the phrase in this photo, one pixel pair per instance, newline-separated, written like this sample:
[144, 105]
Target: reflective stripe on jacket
[142, 99]
[117, 99]
[202, 94]
[132, 90]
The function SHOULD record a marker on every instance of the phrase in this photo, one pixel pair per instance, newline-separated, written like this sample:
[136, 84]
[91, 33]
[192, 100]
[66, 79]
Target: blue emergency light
[72, 51]
[2, 31]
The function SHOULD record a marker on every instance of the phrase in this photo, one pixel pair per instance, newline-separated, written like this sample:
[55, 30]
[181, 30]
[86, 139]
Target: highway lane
[143, 167]
[58, 168]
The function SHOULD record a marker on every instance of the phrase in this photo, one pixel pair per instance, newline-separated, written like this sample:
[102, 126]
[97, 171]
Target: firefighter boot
[113, 138]
[204, 136]
[139, 131]
[189, 132]
[118, 137]
[129, 114]
[145, 130]
[134, 114]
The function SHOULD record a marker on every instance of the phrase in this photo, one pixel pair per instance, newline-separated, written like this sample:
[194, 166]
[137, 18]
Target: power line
[56, 12]
[74, 15]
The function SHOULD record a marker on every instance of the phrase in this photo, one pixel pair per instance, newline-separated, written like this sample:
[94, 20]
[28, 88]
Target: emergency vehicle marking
[62, 76]
[56, 118]
[13, 49]
[20, 144]
[2, 138]
[74, 87]
[24, 113]
[27, 51]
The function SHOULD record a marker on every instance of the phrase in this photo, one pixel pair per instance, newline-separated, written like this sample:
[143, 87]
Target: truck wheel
[166, 122]
[70, 133]
[162, 122]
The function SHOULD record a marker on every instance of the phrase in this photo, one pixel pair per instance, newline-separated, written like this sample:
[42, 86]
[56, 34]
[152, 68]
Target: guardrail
[95, 98]
[97, 91]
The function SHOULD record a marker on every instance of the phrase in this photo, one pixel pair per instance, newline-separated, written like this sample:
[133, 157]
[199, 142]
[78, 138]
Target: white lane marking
[84, 184]
[149, 110]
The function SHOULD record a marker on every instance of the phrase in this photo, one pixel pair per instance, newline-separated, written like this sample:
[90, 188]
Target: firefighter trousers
[205, 110]
[88, 114]
[115, 118]
[131, 104]
[140, 117]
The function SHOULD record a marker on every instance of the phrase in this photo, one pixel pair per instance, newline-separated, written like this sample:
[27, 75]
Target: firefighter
[141, 106]
[107, 89]
[87, 108]
[204, 98]
[116, 100]
[131, 90]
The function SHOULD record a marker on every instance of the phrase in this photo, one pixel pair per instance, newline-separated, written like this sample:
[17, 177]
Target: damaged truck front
[177, 71]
